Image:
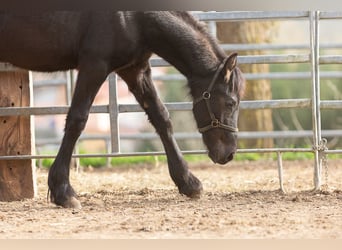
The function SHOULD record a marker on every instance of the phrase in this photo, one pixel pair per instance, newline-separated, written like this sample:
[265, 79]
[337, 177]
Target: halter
[215, 123]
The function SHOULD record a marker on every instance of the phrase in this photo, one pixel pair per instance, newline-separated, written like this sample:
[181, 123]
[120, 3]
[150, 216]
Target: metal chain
[323, 158]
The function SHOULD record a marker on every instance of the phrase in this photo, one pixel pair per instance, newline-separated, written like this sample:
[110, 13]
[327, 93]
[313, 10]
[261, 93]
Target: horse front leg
[140, 84]
[89, 80]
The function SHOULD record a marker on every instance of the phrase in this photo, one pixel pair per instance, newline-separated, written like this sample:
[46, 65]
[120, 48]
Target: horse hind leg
[90, 78]
[140, 84]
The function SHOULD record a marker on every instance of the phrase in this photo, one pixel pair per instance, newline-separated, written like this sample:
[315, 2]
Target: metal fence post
[280, 171]
[316, 117]
[114, 114]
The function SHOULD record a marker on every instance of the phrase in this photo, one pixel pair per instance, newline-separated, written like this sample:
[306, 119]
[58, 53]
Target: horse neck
[188, 48]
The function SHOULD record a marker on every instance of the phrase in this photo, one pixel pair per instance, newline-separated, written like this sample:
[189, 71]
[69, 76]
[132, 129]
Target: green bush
[93, 161]
[136, 160]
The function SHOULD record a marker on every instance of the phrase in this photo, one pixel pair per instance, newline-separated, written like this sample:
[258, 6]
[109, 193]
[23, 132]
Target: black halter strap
[215, 123]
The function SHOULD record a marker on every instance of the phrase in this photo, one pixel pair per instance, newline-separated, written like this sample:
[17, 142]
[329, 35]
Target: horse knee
[161, 121]
[76, 123]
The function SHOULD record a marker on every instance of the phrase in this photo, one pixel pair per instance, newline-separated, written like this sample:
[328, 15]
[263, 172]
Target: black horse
[98, 43]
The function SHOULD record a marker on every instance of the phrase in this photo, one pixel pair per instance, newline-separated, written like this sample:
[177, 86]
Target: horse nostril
[230, 157]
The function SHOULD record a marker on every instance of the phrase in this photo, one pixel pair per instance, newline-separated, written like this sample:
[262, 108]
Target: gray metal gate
[314, 103]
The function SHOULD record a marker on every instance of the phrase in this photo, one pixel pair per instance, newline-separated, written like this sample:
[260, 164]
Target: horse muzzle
[221, 154]
[221, 159]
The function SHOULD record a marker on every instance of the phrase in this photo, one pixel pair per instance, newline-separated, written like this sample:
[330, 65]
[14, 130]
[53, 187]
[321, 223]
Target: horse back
[52, 41]
[40, 42]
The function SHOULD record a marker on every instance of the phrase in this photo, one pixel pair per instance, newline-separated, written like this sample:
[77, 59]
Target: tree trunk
[252, 120]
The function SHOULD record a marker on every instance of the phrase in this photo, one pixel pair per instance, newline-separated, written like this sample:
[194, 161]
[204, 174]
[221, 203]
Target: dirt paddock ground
[240, 200]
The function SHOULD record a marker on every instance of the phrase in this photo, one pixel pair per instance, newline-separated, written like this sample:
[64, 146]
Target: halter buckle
[206, 95]
[215, 123]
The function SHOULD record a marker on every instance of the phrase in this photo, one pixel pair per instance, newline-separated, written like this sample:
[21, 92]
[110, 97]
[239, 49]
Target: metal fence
[310, 56]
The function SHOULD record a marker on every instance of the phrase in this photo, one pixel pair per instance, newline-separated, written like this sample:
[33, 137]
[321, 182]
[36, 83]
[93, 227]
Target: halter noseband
[215, 123]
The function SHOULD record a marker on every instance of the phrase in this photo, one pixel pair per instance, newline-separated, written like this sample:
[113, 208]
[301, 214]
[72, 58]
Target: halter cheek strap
[215, 123]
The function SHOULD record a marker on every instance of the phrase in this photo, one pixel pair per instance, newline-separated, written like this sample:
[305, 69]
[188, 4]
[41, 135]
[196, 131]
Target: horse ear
[231, 61]
[230, 64]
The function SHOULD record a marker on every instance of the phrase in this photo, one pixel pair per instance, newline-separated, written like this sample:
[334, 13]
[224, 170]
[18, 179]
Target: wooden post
[17, 177]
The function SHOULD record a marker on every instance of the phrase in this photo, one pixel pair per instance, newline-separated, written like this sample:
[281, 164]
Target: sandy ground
[240, 200]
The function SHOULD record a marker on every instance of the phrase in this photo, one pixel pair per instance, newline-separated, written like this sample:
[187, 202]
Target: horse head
[216, 109]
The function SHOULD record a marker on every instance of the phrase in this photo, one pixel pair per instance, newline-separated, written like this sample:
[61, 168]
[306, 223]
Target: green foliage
[93, 161]
[119, 161]
[151, 160]
[248, 157]
[334, 156]
[46, 163]
[291, 156]
[331, 89]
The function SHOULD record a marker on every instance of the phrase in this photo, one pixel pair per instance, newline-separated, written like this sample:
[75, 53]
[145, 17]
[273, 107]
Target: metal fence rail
[309, 56]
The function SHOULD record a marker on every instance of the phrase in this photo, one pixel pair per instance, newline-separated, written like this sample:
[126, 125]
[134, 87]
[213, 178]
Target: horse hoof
[193, 194]
[72, 202]
[193, 189]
